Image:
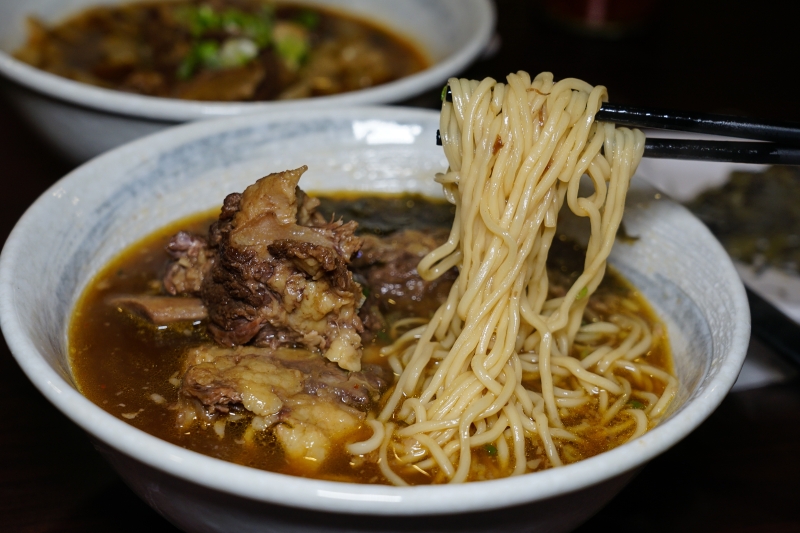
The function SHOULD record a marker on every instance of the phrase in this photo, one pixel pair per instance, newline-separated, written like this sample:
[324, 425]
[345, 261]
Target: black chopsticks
[764, 153]
[781, 144]
[725, 125]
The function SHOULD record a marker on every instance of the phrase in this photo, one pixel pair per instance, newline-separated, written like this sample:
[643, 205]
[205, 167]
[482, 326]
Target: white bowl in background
[82, 120]
[95, 212]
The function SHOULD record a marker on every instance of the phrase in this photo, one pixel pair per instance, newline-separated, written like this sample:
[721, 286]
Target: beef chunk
[323, 379]
[307, 401]
[222, 377]
[388, 266]
[192, 261]
[253, 377]
[230, 84]
[280, 273]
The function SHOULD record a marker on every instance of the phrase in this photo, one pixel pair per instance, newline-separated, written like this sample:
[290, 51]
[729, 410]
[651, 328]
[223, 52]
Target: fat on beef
[307, 401]
[220, 377]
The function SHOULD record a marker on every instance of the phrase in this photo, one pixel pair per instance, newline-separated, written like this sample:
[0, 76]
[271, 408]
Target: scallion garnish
[635, 404]
[249, 34]
[203, 53]
[308, 18]
[291, 43]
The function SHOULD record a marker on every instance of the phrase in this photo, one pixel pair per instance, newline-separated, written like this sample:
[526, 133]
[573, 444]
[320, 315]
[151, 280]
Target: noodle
[517, 152]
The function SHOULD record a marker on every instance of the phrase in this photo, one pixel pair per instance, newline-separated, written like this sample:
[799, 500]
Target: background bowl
[88, 217]
[83, 121]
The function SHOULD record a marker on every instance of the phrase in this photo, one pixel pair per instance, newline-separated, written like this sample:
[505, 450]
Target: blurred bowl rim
[174, 109]
[331, 496]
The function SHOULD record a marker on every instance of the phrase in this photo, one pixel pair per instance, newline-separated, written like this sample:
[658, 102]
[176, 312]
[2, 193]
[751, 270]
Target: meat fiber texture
[389, 267]
[279, 275]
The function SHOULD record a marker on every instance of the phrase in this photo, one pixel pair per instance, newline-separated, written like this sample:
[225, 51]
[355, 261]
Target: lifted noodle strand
[517, 152]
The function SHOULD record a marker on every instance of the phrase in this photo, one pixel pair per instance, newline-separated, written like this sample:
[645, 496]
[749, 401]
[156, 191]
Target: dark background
[739, 472]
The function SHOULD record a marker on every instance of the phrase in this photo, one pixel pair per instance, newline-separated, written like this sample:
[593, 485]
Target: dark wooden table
[739, 472]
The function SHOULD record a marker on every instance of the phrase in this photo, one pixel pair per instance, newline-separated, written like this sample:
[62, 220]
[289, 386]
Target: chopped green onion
[206, 15]
[383, 336]
[203, 19]
[259, 31]
[308, 18]
[636, 404]
[291, 44]
[199, 20]
[491, 449]
[366, 291]
[257, 28]
[236, 53]
[444, 92]
[207, 51]
[582, 294]
[232, 20]
[187, 67]
[204, 53]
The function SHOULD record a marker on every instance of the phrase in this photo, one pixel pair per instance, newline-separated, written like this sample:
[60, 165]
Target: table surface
[739, 472]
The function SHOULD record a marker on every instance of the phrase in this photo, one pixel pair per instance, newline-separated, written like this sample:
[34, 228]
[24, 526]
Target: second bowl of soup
[90, 77]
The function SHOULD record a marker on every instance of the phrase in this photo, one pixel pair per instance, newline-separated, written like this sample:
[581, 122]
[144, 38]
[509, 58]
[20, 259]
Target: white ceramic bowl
[88, 217]
[83, 121]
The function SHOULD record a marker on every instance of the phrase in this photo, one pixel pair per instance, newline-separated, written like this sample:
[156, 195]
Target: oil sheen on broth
[132, 368]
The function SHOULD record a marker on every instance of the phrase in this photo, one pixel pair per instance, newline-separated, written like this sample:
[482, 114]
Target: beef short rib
[279, 275]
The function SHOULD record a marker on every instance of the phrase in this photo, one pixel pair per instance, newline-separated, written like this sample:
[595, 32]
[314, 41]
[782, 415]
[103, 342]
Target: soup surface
[220, 50]
[134, 369]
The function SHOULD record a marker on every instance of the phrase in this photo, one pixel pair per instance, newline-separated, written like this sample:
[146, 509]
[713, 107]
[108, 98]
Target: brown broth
[155, 49]
[120, 362]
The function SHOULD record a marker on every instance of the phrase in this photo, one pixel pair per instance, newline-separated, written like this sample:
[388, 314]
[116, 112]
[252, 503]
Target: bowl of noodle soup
[98, 210]
[82, 120]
